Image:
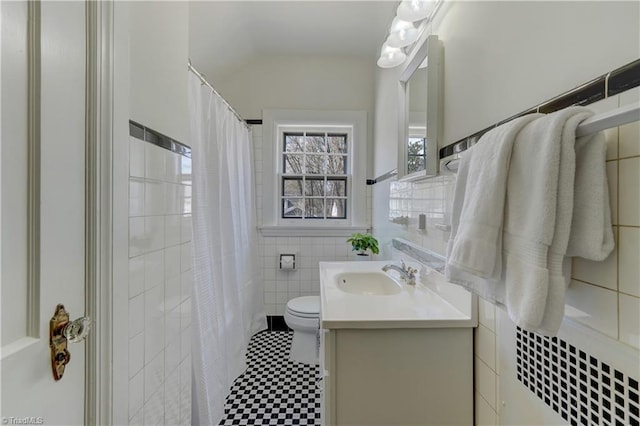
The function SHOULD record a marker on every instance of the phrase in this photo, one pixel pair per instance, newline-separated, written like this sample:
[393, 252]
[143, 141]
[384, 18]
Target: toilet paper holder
[287, 261]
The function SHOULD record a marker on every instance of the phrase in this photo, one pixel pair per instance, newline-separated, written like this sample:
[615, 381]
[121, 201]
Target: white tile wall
[629, 246]
[485, 415]
[485, 346]
[628, 184]
[487, 314]
[629, 133]
[603, 273]
[160, 280]
[279, 285]
[431, 197]
[282, 286]
[593, 306]
[485, 379]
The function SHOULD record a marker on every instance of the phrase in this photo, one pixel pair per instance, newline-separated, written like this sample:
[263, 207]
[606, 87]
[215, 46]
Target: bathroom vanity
[391, 353]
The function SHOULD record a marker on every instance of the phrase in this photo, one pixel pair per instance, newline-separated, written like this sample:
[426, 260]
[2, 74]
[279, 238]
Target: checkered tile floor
[273, 390]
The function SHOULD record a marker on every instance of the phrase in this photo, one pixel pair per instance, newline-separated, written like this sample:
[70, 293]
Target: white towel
[538, 218]
[590, 235]
[475, 245]
[513, 228]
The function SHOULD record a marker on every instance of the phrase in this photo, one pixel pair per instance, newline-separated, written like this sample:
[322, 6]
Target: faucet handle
[404, 267]
[411, 275]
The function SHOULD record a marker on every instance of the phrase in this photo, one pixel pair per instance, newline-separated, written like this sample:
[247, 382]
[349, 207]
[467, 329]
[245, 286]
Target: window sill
[310, 231]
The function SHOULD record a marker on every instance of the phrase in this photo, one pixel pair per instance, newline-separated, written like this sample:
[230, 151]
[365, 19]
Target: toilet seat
[304, 307]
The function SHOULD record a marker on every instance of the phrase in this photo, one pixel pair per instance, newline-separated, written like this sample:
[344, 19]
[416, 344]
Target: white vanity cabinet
[404, 376]
[400, 359]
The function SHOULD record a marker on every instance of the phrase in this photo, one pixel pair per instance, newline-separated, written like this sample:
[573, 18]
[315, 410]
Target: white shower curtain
[228, 306]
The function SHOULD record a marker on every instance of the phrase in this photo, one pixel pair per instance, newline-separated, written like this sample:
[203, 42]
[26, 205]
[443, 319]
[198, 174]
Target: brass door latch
[61, 331]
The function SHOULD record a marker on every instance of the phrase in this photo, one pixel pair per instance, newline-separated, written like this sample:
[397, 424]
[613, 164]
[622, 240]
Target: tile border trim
[146, 134]
[276, 323]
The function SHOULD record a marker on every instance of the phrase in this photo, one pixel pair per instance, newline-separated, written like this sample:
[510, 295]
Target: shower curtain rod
[206, 83]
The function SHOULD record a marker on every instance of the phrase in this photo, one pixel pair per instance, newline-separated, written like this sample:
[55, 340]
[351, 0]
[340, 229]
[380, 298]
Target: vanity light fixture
[411, 18]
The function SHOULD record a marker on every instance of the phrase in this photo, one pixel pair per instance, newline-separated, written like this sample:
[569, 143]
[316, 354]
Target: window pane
[415, 163]
[315, 142]
[293, 163]
[314, 187]
[336, 208]
[337, 144]
[292, 207]
[293, 142]
[337, 165]
[416, 155]
[315, 164]
[314, 208]
[416, 146]
[336, 187]
[292, 187]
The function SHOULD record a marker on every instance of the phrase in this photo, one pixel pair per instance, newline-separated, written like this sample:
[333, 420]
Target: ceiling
[224, 35]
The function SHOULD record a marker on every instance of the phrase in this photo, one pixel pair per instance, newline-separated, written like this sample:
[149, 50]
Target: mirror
[420, 112]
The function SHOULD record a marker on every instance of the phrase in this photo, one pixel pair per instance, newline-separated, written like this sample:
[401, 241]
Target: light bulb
[415, 10]
[402, 33]
[390, 56]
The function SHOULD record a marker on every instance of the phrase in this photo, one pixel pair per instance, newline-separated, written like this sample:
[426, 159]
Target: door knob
[62, 331]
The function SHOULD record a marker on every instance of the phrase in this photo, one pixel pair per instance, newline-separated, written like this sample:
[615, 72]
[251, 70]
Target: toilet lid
[305, 306]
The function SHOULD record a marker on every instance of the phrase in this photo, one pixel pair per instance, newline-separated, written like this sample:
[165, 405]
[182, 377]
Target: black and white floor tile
[273, 390]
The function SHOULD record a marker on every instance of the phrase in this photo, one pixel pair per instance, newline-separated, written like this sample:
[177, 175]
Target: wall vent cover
[576, 385]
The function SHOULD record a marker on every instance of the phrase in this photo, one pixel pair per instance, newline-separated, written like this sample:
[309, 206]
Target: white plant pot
[363, 257]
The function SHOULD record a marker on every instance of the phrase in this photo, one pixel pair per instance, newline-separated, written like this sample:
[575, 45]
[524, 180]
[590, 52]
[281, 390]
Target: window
[416, 154]
[314, 182]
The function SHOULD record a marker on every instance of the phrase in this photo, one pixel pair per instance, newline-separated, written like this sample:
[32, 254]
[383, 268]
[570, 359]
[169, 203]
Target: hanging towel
[525, 266]
[475, 246]
[538, 219]
[591, 234]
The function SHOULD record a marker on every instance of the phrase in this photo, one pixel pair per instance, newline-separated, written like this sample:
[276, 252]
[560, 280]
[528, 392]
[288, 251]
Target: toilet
[303, 317]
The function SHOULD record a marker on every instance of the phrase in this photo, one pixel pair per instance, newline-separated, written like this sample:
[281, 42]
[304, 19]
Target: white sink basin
[368, 283]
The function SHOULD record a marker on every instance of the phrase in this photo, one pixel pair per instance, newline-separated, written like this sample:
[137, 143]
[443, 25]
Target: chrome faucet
[407, 274]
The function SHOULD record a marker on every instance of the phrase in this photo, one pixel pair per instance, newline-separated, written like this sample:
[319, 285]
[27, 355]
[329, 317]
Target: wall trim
[98, 211]
[142, 132]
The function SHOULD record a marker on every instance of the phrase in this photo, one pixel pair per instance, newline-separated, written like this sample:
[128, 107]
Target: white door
[42, 207]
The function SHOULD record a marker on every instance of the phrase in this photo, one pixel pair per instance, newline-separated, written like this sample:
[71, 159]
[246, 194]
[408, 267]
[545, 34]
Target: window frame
[282, 175]
[275, 123]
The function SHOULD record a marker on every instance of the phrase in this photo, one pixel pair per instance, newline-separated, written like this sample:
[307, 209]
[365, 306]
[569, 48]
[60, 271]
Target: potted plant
[363, 242]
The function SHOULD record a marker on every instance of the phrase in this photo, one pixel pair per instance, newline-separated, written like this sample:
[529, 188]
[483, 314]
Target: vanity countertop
[431, 303]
